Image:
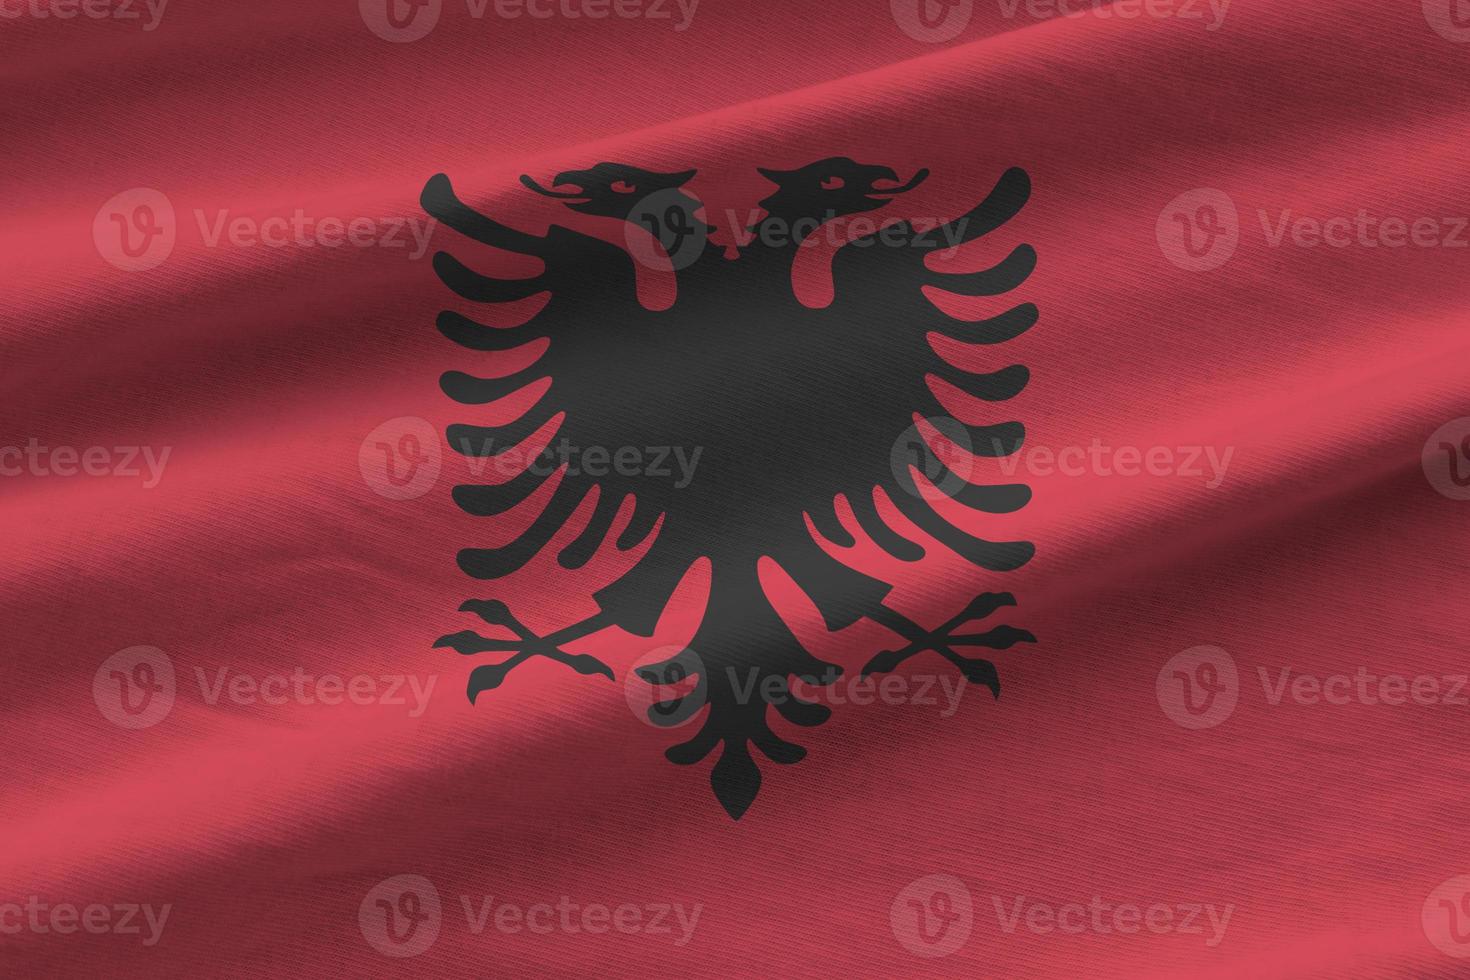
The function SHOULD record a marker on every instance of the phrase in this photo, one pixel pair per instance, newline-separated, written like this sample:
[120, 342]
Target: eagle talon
[886, 661]
[489, 677]
[526, 646]
[943, 640]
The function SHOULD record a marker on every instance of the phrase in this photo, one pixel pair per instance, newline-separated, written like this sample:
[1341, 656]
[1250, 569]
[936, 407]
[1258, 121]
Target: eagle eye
[623, 187]
[833, 183]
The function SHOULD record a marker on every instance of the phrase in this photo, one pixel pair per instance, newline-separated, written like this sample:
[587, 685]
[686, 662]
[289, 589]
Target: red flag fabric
[1179, 690]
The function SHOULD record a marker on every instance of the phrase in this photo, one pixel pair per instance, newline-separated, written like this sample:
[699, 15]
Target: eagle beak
[560, 195]
[891, 192]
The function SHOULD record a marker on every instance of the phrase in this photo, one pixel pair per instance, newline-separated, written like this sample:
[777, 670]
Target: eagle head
[836, 186]
[614, 190]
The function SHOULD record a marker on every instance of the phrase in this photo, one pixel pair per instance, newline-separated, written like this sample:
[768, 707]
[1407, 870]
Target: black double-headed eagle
[792, 409]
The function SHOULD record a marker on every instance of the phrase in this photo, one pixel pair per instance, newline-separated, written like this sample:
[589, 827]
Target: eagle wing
[886, 282]
[590, 283]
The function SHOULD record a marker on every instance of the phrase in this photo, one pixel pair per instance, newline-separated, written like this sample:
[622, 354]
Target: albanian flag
[707, 488]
